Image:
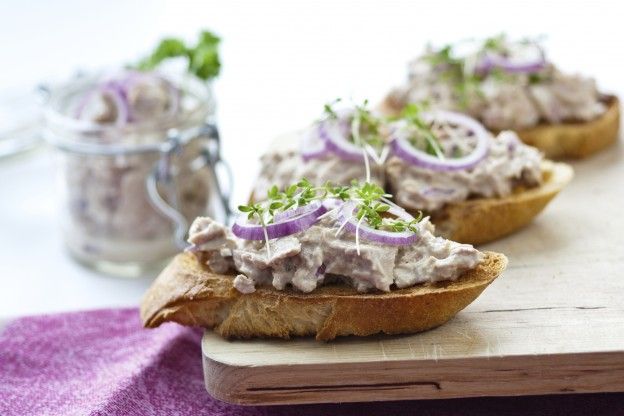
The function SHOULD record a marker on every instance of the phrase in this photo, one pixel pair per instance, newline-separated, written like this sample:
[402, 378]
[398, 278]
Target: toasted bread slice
[563, 140]
[578, 139]
[481, 220]
[188, 293]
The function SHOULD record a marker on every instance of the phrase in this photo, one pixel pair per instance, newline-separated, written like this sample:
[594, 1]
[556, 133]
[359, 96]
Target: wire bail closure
[162, 177]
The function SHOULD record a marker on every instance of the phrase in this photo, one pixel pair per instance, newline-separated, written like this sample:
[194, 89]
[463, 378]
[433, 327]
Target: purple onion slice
[401, 146]
[293, 224]
[118, 92]
[336, 141]
[312, 145]
[392, 238]
[522, 58]
[295, 212]
[106, 91]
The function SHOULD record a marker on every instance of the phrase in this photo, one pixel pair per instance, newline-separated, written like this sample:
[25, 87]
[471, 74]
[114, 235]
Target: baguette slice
[481, 220]
[188, 293]
[577, 139]
[563, 140]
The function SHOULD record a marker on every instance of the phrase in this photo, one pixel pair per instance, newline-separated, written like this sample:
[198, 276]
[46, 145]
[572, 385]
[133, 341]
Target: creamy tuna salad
[428, 158]
[471, 163]
[110, 214]
[345, 235]
[130, 97]
[283, 167]
[345, 145]
[505, 84]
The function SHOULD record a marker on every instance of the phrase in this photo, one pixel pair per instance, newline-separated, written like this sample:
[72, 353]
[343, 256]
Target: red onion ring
[392, 238]
[401, 147]
[336, 142]
[118, 91]
[312, 145]
[119, 101]
[294, 212]
[511, 64]
[294, 224]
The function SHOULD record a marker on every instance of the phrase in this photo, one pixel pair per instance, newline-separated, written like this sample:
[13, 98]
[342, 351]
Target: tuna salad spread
[471, 163]
[110, 215]
[427, 158]
[344, 145]
[309, 236]
[505, 84]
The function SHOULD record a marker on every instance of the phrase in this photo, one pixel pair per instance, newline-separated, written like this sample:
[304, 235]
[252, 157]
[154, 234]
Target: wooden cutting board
[552, 323]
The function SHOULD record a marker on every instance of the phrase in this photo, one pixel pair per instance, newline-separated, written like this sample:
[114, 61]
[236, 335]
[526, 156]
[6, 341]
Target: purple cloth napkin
[103, 363]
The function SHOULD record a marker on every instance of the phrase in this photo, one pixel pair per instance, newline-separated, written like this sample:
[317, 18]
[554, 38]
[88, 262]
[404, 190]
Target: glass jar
[130, 191]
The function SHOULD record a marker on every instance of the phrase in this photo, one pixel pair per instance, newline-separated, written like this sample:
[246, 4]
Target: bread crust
[188, 293]
[576, 139]
[481, 220]
[569, 140]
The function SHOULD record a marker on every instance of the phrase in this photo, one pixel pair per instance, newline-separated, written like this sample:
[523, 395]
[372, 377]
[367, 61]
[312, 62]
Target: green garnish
[412, 114]
[537, 78]
[370, 199]
[203, 57]
[453, 71]
[465, 82]
[329, 111]
[365, 126]
[468, 88]
[371, 208]
[495, 43]
[442, 57]
[369, 130]
[501, 75]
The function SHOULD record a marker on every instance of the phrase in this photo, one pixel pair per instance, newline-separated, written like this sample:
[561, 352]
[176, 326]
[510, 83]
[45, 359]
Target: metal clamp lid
[163, 175]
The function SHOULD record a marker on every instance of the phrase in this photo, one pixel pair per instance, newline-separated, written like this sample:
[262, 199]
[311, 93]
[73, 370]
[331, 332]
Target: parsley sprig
[371, 201]
[203, 57]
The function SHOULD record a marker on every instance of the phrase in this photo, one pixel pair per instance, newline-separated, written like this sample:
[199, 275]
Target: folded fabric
[103, 363]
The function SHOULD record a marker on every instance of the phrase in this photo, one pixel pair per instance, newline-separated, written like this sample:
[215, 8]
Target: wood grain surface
[553, 323]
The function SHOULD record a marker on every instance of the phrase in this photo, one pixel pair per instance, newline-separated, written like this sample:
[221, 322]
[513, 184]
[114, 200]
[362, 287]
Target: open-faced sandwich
[476, 186]
[319, 260]
[345, 144]
[512, 85]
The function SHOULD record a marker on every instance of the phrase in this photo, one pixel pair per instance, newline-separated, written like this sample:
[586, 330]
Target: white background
[281, 61]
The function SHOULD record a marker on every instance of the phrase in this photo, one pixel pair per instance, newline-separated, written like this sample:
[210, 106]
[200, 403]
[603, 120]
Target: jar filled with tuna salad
[139, 154]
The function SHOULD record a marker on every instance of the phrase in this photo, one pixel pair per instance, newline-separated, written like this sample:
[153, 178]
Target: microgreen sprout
[496, 43]
[328, 109]
[369, 125]
[412, 114]
[369, 131]
[459, 71]
[371, 204]
[366, 131]
[454, 70]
